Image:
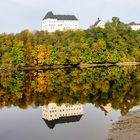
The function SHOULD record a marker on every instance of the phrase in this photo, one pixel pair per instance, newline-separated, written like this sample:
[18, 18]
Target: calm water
[28, 124]
[104, 94]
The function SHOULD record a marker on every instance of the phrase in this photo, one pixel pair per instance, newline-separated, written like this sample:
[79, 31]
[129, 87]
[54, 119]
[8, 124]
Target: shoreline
[126, 128]
[29, 68]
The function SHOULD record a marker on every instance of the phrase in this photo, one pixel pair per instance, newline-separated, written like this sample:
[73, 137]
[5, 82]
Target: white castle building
[99, 23]
[52, 22]
[134, 26]
[54, 114]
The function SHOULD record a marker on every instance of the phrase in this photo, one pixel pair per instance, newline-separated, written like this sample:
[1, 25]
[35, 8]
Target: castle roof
[66, 119]
[59, 17]
[133, 23]
[97, 22]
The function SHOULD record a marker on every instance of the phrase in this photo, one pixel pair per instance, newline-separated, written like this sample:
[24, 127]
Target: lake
[72, 104]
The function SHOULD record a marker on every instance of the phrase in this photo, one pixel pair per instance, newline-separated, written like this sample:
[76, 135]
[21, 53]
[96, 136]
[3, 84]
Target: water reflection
[109, 89]
[55, 114]
[119, 86]
[89, 123]
[106, 108]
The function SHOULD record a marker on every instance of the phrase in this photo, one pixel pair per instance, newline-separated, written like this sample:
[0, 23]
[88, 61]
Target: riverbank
[70, 66]
[127, 128]
[110, 64]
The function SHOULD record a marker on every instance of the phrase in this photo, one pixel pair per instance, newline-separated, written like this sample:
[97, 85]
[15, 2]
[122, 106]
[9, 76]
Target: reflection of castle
[53, 114]
[106, 108]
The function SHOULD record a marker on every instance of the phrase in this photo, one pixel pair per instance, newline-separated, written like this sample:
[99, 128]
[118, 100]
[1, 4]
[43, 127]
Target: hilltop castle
[52, 22]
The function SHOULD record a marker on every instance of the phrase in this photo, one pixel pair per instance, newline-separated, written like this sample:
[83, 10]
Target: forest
[117, 42]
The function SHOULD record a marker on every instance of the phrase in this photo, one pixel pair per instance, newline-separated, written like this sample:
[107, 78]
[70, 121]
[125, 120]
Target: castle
[52, 22]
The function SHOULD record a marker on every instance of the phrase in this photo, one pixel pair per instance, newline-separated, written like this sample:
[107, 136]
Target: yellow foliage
[102, 85]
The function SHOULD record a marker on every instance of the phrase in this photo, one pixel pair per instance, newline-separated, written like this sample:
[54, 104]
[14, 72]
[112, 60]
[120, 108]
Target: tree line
[117, 42]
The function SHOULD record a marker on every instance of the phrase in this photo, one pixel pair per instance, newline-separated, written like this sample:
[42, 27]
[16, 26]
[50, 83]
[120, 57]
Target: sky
[17, 15]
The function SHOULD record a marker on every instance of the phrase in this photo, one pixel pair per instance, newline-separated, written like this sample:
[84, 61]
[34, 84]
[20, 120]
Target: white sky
[16, 15]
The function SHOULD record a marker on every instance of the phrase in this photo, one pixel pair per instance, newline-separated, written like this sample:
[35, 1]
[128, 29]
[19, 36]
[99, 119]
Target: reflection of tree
[119, 86]
[54, 114]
